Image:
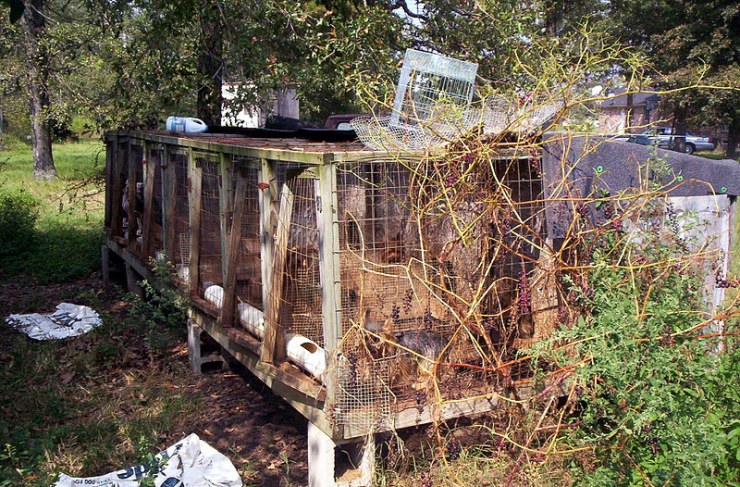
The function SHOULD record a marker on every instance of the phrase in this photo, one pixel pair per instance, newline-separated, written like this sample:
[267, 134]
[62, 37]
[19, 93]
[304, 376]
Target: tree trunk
[733, 136]
[210, 63]
[678, 140]
[38, 75]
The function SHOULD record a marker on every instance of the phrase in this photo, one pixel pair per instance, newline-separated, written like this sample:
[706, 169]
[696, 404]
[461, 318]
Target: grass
[100, 401]
[88, 405]
[70, 211]
[103, 401]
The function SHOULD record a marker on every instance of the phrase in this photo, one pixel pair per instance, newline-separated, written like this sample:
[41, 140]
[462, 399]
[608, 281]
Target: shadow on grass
[57, 254]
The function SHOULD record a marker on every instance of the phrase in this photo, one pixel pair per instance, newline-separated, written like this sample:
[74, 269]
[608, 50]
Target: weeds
[162, 311]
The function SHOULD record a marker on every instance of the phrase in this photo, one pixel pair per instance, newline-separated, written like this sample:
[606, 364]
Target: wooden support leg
[346, 465]
[132, 279]
[105, 259]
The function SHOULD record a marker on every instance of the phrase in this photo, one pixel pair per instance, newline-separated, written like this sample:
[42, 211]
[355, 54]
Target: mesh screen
[135, 211]
[302, 291]
[249, 264]
[404, 303]
[210, 222]
[182, 209]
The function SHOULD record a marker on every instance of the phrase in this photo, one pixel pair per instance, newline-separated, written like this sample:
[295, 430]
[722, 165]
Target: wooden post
[225, 206]
[273, 348]
[131, 196]
[232, 259]
[328, 256]
[109, 155]
[195, 176]
[116, 190]
[269, 207]
[147, 225]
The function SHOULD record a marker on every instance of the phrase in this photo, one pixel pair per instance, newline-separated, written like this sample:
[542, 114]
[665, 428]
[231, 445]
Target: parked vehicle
[341, 122]
[665, 138]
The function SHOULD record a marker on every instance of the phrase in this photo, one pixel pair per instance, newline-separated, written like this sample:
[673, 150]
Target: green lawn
[69, 229]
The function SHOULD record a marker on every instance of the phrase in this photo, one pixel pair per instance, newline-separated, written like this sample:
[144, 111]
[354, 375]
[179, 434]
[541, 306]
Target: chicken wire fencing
[249, 261]
[180, 232]
[210, 250]
[407, 275]
[300, 301]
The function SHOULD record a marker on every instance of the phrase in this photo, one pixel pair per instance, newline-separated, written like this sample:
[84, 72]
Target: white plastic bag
[68, 320]
[190, 462]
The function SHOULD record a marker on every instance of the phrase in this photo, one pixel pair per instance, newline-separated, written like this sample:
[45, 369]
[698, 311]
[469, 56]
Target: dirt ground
[262, 435]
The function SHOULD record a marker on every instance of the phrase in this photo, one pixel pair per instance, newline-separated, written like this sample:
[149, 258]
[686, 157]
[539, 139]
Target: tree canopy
[131, 63]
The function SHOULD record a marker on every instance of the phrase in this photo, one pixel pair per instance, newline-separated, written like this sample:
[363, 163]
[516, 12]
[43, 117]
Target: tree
[689, 44]
[37, 59]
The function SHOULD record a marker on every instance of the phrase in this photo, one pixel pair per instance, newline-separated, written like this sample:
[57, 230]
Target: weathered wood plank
[287, 155]
[131, 198]
[117, 190]
[269, 206]
[273, 350]
[232, 259]
[147, 220]
[195, 176]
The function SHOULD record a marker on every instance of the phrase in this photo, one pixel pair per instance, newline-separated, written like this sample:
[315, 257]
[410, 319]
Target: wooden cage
[298, 256]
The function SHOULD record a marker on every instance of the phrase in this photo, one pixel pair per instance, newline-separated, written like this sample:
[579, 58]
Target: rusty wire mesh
[209, 264]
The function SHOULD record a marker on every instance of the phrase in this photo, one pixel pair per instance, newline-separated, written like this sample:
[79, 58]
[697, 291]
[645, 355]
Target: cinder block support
[348, 464]
[196, 353]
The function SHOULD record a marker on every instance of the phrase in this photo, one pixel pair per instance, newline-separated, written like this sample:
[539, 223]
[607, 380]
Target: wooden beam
[147, 223]
[195, 177]
[116, 189]
[269, 206]
[109, 155]
[239, 148]
[131, 197]
[273, 349]
[232, 259]
[328, 228]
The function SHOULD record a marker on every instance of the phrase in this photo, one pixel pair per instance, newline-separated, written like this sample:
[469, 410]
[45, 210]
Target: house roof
[619, 99]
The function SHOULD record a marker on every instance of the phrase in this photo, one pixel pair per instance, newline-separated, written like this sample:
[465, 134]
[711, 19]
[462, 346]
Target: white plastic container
[215, 295]
[252, 319]
[306, 354]
[186, 125]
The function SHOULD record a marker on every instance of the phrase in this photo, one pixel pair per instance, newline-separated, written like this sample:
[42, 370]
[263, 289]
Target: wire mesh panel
[249, 263]
[181, 220]
[209, 265]
[431, 85]
[431, 107]
[300, 301]
[437, 280]
[364, 398]
[119, 196]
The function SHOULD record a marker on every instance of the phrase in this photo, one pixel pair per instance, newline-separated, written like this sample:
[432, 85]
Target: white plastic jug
[186, 125]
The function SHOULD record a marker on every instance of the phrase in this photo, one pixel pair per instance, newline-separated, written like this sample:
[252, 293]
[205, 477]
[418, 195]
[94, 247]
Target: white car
[664, 136]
